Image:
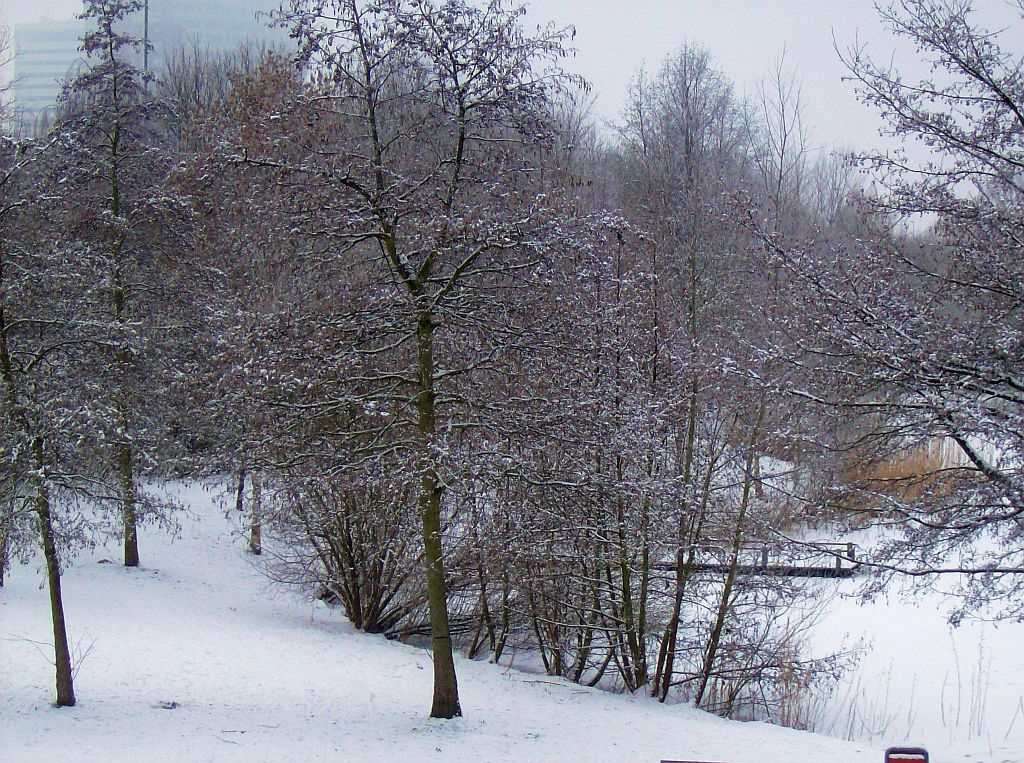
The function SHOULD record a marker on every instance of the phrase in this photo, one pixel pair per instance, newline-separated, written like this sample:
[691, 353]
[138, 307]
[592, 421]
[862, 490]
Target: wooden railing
[809, 559]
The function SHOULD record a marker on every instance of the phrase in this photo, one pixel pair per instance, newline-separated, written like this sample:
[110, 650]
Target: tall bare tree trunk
[686, 524]
[446, 687]
[61, 653]
[123, 359]
[125, 467]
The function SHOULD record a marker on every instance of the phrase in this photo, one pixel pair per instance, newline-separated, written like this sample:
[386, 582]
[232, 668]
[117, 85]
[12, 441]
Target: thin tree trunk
[41, 501]
[730, 580]
[645, 588]
[446, 688]
[663, 675]
[122, 356]
[125, 466]
[124, 451]
[240, 492]
[633, 634]
[531, 599]
[506, 620]
[128, 517]
[4, 543]
[478, 637]
[486, 618]
[255, 522]
[602, 668]
[7, 523]
[61, 653]
[585, 640]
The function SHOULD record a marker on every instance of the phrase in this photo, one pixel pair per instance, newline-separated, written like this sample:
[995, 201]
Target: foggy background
[746, 38]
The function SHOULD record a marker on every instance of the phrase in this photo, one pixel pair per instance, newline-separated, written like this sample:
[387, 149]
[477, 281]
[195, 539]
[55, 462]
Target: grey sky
[746, 38]
[615, 38]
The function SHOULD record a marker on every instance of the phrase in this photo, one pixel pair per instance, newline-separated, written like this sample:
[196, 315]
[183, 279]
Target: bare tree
[685, 138]
[415, 144]
[39, 342]
[923, 340]
[117, 208]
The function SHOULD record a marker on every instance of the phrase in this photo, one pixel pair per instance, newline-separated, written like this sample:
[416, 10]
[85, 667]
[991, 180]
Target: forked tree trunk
[446, 688]
[667, 652]
[684, 566]
[723, 606]
[633, 627]
[585, 639]
[485, 621]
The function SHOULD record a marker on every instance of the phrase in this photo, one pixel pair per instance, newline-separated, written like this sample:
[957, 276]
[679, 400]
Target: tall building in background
[46, 52]
[210, 23]
[6, 63]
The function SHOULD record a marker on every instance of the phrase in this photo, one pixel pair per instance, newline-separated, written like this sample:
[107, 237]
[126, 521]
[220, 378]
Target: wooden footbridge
[817, 559]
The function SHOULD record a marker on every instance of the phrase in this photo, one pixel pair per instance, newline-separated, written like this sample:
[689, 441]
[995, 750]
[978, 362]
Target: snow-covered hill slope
[195, 658]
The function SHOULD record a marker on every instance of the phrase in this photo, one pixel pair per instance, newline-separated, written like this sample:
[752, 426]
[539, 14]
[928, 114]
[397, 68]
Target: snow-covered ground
[195, 658]
[959, 692]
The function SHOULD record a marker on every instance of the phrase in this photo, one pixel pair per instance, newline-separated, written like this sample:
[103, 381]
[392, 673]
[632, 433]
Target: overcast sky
[746, 38]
